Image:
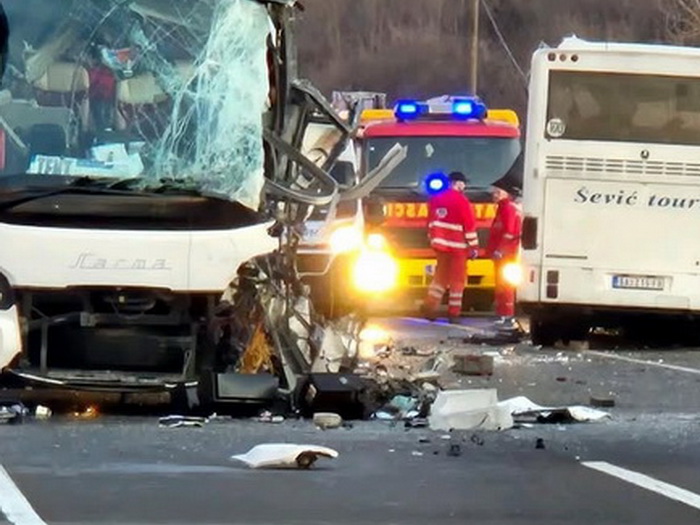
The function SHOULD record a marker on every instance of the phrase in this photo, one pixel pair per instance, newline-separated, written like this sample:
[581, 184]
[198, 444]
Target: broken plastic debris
[42, 412]
[12, 412]
[602, 401]
[325, 420]
[469, 409]
[522, 409]
[284, 456]
[182, 421]
[267, 417]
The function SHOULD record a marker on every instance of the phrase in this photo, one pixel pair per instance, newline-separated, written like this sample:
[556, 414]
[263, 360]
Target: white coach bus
[611, 187]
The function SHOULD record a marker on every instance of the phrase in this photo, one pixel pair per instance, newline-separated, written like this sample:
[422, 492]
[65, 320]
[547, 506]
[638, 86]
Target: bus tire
[544, 332]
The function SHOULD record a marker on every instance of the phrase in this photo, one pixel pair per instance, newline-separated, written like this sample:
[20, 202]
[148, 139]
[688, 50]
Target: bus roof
[574, 43]
[450, 128]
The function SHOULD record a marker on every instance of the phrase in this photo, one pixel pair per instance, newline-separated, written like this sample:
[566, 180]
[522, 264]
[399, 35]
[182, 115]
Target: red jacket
[506, 229]
[102, 83]
[451, 222]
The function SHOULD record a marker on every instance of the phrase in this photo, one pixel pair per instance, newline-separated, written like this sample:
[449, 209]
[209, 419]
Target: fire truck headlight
[375, 272]
[376, 242]
[346, 239]
[512, 273]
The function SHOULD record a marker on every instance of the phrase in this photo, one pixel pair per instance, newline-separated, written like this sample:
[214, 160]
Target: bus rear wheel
[544, 332]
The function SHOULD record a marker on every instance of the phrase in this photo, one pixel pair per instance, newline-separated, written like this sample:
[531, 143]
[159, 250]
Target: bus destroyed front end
[154, 240]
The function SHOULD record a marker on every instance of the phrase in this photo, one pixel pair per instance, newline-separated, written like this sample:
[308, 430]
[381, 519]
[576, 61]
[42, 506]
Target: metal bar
[44, 356]
[474, 77]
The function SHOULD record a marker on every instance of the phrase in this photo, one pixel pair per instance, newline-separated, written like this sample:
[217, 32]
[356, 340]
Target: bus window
[623, 107]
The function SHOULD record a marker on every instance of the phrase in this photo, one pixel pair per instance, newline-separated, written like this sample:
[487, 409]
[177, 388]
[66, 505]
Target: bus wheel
[544, 332]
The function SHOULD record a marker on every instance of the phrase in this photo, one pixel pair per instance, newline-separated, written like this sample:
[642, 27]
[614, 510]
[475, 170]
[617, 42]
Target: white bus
[611, 187]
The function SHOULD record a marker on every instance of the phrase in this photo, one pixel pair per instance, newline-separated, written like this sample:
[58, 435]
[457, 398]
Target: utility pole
[474, 78]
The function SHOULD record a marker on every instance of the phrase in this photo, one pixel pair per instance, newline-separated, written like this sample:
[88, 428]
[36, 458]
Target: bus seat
[64, 84]
[141, 104]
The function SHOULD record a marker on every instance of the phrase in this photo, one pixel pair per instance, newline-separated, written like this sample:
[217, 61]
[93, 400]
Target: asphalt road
[116, 469]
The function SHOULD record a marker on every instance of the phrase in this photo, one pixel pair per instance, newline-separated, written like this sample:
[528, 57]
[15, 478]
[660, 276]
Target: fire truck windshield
[483, 159]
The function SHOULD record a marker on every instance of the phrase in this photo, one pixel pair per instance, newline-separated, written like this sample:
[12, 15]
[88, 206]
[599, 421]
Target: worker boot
[428, 313]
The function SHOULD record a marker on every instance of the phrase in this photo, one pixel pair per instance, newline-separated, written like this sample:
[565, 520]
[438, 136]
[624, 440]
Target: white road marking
[643, 362]
[646, 482]
[14, 505]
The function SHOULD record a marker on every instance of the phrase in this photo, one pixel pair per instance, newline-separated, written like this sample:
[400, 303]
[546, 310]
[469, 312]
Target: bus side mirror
[529, 234]
[374, 211]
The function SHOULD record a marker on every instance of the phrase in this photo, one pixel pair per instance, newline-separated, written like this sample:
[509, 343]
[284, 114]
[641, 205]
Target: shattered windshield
[484, 160]
[146, 89]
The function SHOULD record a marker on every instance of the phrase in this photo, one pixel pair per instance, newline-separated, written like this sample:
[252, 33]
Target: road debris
[268, 417]
[326, 420]
[602, 401]
[90, 412]
[539, 444]
[454, 451]
[42, 412]
[477, 440]
[12, 412]
[524, 410]
[473, 364]
[417, 422]
[469, 409]
[176, 421]
[284, 456]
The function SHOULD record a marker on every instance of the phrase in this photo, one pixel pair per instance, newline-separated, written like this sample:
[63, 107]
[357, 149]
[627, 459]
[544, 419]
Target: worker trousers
[449, 274]
[505, 293]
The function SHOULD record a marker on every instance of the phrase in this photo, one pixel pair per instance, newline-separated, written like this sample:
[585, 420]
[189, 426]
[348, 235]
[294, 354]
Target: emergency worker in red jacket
[452, 233]
[503, 247]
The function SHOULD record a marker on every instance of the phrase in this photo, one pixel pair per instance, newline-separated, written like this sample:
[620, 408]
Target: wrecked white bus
[611, 187]
[151, 185]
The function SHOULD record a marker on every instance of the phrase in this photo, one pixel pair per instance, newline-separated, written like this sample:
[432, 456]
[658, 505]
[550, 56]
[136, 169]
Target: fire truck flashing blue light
[463, 108]
[436, 183]
[407, 109]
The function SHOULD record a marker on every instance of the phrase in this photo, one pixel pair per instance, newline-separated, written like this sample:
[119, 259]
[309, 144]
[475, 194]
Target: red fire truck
[442, 135]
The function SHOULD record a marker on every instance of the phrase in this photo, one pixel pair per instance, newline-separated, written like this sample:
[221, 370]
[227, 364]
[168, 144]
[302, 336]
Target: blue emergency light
[407, 109]
[436, 183]
[459, 108]
[468, 109]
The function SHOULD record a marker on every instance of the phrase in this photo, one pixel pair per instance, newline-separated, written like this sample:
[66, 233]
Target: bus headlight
[346, 239]
[512, 273]
[375, 271]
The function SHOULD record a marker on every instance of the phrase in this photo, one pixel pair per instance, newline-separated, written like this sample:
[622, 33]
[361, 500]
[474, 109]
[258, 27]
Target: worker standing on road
[503, 248]
[452, 233]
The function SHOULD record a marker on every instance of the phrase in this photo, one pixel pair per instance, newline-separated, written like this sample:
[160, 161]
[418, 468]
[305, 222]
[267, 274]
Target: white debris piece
[469, 409]
[284, 455]
[522, 408]
[326, 420]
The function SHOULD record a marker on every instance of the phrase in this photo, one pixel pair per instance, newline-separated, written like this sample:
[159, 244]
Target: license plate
[638, 282]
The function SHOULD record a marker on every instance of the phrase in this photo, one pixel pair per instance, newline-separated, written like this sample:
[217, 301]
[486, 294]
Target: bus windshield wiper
[82, 185]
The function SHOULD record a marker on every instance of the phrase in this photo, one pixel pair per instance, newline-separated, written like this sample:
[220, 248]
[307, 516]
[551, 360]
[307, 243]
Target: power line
[499, 34]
